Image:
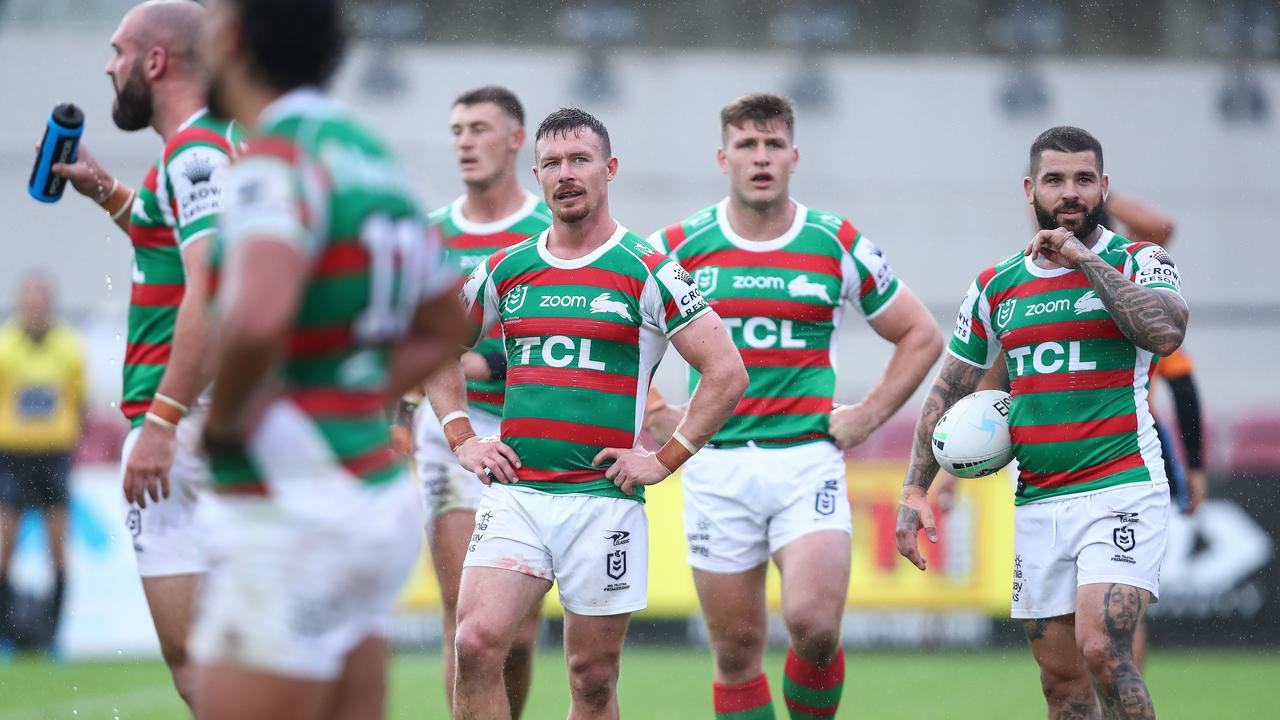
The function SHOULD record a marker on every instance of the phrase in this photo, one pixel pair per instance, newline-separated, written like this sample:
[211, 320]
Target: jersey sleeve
[973, 340]
[671, 300]
[658, 241]
[870, 284]
[480, 302]
[196, 177]
[267, 197]
[1152, 267]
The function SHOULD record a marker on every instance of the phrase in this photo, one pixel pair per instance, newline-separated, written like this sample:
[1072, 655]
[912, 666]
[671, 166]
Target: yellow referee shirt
[42, 390]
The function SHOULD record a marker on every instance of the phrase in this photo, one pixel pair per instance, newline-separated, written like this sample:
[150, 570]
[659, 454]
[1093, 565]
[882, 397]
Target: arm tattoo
[955, 380]
[1152, 319]
[1124, 694]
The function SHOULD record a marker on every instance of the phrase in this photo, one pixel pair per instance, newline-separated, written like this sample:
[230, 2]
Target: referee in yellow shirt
[42, 402]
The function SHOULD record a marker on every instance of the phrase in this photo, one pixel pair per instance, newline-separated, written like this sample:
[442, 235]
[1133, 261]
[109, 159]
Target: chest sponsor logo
[762, 333]
[514, 300]
[706, 279]
[467, 262]
[1088, 302]
[1050, 357]
[557, 351]
[802, 286]
[1004, 313]
[602, 303]
[760, 282]
[1047, 307]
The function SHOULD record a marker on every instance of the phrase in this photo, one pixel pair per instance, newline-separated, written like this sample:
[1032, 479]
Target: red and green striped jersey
[781, 300]
[313, 177]
[1079, 417]
[466, 245]
[582, 338]
[176, 205]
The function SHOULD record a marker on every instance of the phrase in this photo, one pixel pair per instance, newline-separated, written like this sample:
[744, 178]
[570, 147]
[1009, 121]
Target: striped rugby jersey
[319, 179]
[466, 245]
[176, 205]
[583, 338]
[782, 301]
[1079, 418]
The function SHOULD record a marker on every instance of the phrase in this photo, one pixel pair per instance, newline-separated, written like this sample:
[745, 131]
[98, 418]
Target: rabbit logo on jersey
[602, 303]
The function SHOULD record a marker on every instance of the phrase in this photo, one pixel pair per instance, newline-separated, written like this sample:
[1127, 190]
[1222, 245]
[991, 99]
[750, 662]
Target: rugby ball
[972, 438]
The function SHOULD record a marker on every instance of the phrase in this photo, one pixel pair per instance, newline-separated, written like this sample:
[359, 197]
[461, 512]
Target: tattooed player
[1081, 315]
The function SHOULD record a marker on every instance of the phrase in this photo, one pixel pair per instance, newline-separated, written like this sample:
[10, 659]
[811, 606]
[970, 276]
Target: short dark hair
[292, 43]
[758, 108]
[1067, 139]
[497, 95]
[566, 120]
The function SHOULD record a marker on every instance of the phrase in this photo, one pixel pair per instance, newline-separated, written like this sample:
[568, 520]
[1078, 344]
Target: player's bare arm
[661, 417]
[706, 346]
[91, 180]
[917, 344]
[489, 458]
[265, 282]
[1153, 319]
[956, 379]
[147, 470]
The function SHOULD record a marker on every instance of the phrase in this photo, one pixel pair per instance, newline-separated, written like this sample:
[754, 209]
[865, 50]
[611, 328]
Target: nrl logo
[801, 286]
[603, 304]
[514, 300]
[706, 278]
[1004, 313]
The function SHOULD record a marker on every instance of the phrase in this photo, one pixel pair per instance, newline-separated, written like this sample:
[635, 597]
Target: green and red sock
[813, 691]
[748, 701]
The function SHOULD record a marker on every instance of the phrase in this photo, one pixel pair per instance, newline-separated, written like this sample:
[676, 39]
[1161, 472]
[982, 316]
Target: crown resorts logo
[198, 170]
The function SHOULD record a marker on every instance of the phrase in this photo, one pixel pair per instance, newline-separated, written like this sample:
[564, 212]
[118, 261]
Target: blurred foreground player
[334, 301]
[587, 310]
[160, 82]
[771, 483]
[487, 124]
[1080, 314]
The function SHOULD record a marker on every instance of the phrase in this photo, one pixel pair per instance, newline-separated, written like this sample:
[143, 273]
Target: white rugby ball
[972, 438]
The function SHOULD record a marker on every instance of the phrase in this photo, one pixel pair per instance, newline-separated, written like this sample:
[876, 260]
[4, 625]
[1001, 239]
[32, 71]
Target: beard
[574, 215]
[134, 103]
[1089, 223]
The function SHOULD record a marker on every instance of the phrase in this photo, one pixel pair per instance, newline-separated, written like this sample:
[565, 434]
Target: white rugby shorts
[743, 504]
[1115, 535]
[165, 537]
[595, 548]
[446, 485]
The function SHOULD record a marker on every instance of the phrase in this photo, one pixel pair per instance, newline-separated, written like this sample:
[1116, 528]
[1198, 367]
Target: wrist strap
[676, 452]
[166, 412]
[457, 429]
[115, 183]
[184, 409]
[161, 421]
[128, 202]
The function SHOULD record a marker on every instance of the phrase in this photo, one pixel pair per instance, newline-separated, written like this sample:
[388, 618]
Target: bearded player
[334, 301]
[1081, 316]
[159, 81]
[771, 484]
[587, 309]
[495, 212]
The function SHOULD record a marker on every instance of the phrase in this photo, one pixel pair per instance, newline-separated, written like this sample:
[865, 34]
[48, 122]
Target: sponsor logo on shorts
[1127, 517]
[616, 564]
[1017, 577]
[134, 523]
[1124, 538]
[824, 503]
[482, 524]
[698, 540]
[619, 537]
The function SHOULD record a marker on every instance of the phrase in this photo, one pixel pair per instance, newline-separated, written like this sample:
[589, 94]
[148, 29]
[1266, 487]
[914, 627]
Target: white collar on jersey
[477, 228]
[306, 99]
[1038, 271]
[722, 218]
[583, 261]
[192, 120]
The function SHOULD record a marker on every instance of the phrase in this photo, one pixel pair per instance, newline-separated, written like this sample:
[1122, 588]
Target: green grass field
[661, 683]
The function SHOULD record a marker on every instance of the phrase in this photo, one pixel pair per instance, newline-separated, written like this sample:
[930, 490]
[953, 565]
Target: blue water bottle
[60, 143]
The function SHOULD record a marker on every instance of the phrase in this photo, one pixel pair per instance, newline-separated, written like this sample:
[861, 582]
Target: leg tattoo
[1124, 693]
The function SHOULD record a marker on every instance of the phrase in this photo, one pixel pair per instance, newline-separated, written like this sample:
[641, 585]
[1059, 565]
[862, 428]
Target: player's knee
[184, 681]
[477, 647]
[741, 652]
[592, 678]
[1061, 684]
[815, 638]
[1100, 655]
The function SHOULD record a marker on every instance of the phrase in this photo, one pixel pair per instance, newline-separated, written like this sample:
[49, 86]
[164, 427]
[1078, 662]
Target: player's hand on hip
[86, 175]
[146, 472]
[490, 459]
[1060, 246]
[914, 515]
[631, 467]
[850, 425]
